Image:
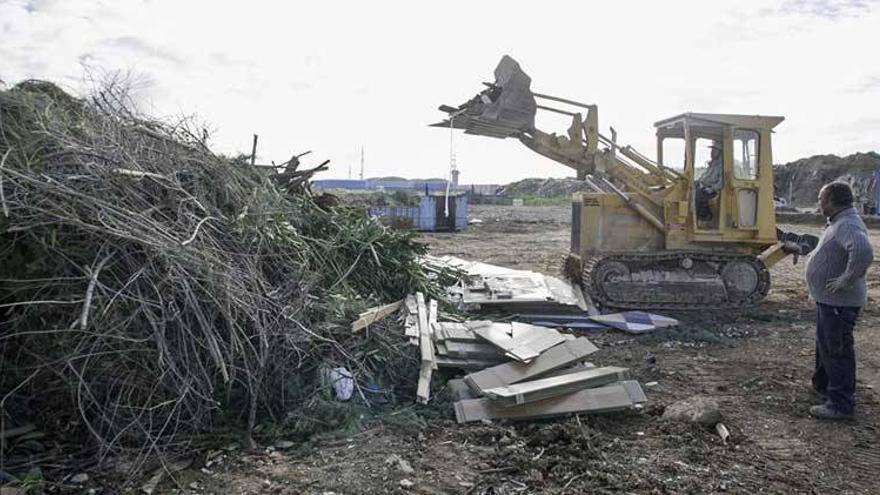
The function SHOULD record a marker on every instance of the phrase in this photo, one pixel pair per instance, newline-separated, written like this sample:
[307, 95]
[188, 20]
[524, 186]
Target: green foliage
[534, 200]
[128, 245]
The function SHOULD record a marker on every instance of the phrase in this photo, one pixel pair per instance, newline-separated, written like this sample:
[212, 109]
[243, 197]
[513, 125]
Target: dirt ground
[757, 363]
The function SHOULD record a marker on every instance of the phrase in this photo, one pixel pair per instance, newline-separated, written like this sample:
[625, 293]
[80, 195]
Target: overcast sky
[332, 76]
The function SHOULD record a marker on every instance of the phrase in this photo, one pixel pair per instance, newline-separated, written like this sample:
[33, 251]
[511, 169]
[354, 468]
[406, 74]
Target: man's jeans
[835, 375]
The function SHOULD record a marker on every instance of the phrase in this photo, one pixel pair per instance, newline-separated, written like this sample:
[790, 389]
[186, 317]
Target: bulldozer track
[593, 285]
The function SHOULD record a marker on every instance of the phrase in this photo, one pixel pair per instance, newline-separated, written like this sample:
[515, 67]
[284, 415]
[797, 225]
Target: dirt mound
[546, 188]
[799, 181]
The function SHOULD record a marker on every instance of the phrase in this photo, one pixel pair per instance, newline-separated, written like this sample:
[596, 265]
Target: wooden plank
[560, 356]
[423, 392]
[372, 315]
[619, 396]
[574, 325]
[534, 339]
[498, 334]
[432, 322]
[411, 325]
[441, 349]
[468, 350]
[555, 317]
[574, 368]
[426, 347]
[544, 388]
[432, 314]
[424, 333]
[456, 332]
[465, 364]
[459, 390]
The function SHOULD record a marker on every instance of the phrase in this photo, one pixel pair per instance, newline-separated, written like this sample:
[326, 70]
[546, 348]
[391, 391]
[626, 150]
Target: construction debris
[615, 397]
[483, 284]
[545, 388]
[372, 315]
[520, 341]
[723, 432]
[635, 321]
[560, 356]
[426, 348]
[341, 381]
[519, 371]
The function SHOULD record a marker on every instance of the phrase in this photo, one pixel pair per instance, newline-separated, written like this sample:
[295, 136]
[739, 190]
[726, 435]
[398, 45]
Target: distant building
[383, 184]
[340, 184]
[415, 186]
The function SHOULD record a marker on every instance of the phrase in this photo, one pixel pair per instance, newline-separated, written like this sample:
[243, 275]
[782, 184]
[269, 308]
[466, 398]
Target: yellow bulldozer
[693, 229]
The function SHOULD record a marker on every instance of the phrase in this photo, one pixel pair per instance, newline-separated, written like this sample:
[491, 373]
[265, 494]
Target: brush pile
[152, 290]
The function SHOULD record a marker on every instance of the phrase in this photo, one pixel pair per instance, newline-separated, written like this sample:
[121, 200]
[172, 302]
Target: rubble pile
[546, 188]
[153, 290]
[516, 371]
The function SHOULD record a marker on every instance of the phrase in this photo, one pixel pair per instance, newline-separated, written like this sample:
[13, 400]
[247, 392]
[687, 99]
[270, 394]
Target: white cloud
[332, 76]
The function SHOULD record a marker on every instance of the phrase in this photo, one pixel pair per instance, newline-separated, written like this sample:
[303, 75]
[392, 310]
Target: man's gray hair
[839, 193]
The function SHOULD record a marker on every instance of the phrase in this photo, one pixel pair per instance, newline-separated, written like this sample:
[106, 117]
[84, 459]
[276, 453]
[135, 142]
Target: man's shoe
[827, 412]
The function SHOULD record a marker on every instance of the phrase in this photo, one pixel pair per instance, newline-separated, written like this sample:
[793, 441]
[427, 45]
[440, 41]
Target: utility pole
[254, 152]
[362, 162]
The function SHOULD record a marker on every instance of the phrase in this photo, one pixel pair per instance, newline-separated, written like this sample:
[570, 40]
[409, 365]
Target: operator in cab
[709, 183]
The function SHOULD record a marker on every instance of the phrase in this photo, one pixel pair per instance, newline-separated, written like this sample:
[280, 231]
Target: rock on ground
[697, 409]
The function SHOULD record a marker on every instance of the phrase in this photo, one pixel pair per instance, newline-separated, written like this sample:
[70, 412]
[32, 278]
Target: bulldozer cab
[728, 164]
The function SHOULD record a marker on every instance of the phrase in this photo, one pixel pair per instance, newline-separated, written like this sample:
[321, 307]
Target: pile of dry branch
[152, 290]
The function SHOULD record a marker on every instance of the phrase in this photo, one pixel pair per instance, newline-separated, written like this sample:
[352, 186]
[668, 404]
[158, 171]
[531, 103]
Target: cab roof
[674, 126]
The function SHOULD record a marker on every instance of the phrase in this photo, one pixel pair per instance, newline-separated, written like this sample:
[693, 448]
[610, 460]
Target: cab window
[745, 154]
[673, 153]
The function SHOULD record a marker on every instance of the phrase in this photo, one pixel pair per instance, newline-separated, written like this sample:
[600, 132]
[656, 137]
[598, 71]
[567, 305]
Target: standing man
[836, 278]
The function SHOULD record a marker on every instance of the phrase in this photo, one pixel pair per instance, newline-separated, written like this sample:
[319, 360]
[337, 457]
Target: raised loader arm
[507, 108]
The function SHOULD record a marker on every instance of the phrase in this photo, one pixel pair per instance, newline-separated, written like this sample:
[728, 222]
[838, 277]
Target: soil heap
[546, 188]
[799, 181]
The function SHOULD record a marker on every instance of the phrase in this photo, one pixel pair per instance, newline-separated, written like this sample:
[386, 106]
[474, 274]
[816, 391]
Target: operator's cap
[716, 145]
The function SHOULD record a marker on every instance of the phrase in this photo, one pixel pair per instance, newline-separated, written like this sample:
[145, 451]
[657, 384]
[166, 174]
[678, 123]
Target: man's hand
[835, 284]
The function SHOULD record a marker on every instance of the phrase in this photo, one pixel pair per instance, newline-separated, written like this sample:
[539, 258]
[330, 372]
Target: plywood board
[441, 349]
[560, 356]
[498, 334]
[471, 350]
[459, 390]
[465, 364]
[544, 388]
[455, 332]
[616, 397]
[534, 339]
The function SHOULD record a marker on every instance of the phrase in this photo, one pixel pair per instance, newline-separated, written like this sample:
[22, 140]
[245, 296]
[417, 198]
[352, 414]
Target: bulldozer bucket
[505, 108]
